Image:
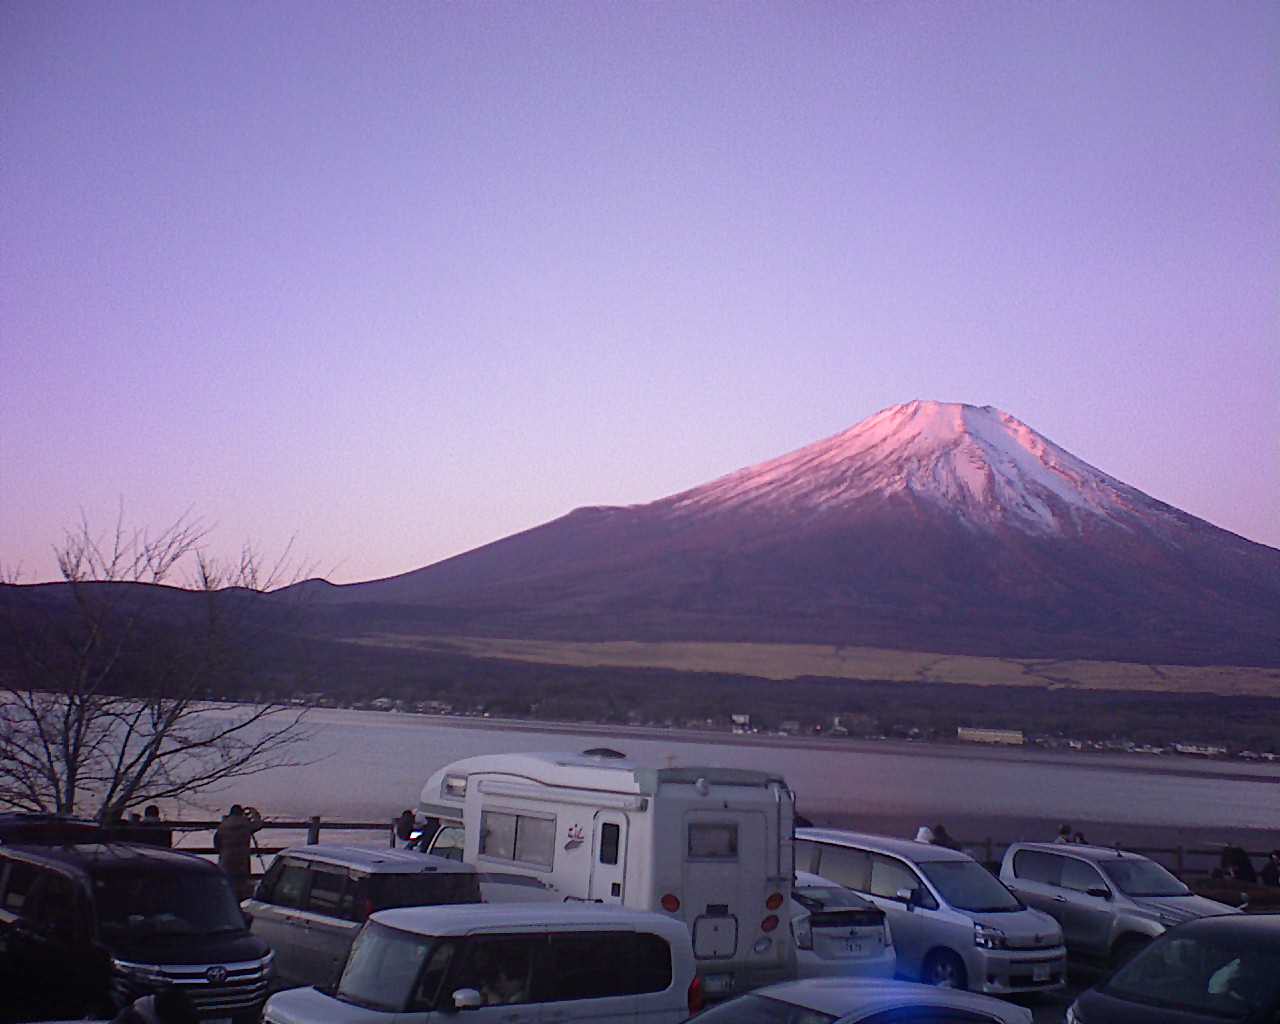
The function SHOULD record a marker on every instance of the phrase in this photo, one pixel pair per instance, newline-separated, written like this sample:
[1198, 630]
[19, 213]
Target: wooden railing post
[313, 830]
[394, 823]
[1179, 867]
[990, 853]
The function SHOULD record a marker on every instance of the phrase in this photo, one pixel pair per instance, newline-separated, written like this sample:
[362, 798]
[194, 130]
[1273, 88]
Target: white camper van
[711, 846]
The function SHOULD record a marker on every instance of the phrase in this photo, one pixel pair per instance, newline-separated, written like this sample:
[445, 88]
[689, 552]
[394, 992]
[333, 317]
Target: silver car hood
[1025, 927]
[1176, 909]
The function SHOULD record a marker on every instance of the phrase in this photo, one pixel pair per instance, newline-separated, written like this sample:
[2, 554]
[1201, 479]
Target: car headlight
[141, 972]
[989, 938]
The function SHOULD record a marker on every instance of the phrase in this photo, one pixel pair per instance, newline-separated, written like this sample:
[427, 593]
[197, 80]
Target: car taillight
[774, 901]
[695, 995]
[670, 903]
[769, 923]
[802, 932]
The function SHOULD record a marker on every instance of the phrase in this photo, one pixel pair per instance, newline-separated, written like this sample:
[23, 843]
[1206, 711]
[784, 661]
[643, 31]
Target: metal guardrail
[1181, 860]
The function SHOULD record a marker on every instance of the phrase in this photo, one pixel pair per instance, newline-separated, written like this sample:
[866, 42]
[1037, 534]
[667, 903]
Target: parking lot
[1051, 1008]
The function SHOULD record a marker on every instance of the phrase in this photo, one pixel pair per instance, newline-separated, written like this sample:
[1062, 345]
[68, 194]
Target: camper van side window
[498, 835]
[519, 837]
[713, 842]
[610, 834]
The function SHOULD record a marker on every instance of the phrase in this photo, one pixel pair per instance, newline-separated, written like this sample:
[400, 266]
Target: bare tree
[114, 682]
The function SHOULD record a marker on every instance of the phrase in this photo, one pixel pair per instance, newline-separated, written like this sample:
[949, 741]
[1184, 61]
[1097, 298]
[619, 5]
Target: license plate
[853, 947]
[1040, 972]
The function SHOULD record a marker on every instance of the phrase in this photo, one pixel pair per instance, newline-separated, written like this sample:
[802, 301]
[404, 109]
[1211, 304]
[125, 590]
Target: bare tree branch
[114, 684]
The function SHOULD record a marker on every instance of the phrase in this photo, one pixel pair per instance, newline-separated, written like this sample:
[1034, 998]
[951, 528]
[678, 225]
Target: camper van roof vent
[608, 752]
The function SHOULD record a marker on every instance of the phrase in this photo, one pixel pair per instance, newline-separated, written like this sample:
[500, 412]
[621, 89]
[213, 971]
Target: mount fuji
[929, 526]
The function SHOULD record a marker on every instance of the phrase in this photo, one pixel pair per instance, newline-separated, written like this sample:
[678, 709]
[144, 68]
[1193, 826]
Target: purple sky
[403, 279]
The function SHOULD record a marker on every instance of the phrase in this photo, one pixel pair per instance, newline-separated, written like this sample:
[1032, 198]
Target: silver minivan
[953, 922]
[1110, 904]
[313, 900]
[508, 963]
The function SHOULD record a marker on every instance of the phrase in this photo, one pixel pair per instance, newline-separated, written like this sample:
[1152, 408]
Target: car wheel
[1126, 949]
[945, 970]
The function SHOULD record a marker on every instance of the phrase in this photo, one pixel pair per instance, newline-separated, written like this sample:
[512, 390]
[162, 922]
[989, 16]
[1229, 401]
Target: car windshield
[144, 905]
[967, 885]
[1226, 977]
[385, 969]
[817, 898]
[1142, 878]
[754, 1009]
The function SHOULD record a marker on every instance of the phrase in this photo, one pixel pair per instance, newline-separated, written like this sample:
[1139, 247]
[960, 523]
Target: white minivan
[513, 963]
[954, 924]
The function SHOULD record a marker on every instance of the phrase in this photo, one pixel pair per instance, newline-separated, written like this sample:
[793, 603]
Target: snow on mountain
[983, 465]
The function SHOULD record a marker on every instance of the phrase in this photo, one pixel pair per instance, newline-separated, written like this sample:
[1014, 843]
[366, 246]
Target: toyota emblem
[216, 975]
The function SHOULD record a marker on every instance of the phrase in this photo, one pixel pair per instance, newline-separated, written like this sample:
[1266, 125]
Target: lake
[368, 765]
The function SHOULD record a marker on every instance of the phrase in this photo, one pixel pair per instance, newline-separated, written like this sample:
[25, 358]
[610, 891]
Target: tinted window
[499, 968]
[535, 839]
[498, 835]
[610, 834]
[21, 880]
[967, 885]
[1035, 866]
[519, 837]
[806, 856]
[1224, 976]
[586, 965]
[851, 868]
[426, 890]
[1142, 878]
[449, 842]
[1078, 875]
[149, 905]
[384, 968]
[58, 906]
[817, 898]
[713, 841]
[652, 963]
[290, 889]
[327, 890]
[889, 875]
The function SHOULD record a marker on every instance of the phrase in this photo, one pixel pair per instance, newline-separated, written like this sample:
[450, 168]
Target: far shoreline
[1149, 764]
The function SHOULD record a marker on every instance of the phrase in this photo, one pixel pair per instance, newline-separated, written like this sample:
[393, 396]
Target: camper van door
[609, 857]
[724, 898]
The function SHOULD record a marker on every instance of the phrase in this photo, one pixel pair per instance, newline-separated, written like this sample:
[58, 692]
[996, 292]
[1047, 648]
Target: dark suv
[86, 928]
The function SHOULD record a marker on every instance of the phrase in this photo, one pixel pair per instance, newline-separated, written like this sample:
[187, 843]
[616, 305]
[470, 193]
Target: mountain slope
[930, 526]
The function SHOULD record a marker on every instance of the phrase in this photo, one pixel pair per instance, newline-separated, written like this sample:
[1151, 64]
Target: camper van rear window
[713, 842]
[518, 837]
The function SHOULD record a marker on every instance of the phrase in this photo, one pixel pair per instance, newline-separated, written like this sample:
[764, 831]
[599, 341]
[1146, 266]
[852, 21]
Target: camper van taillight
[769, 923]
[774, 901]
[670, 902]
[695, 995]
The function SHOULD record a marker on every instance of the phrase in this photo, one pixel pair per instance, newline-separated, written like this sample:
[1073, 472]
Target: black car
[1213, 969]
[87, 927]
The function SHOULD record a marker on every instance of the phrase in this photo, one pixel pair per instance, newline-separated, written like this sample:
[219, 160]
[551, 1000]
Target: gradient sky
[399, 280]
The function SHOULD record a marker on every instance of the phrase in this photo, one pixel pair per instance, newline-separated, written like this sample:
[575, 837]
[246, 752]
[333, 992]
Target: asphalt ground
[1051, 1007]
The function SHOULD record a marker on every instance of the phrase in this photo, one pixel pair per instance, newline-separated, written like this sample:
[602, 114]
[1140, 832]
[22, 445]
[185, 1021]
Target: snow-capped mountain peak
[985, 466]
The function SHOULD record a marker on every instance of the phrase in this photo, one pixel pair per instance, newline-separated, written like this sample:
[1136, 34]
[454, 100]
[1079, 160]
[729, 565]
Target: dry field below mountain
[791, 661]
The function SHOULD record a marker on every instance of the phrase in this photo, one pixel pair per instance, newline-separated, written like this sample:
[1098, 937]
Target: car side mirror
[911, 897]
[467, 999]
[1100, 891]
[248, 918]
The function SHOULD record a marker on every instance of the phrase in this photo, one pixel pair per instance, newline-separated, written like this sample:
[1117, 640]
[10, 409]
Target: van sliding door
[608, 857]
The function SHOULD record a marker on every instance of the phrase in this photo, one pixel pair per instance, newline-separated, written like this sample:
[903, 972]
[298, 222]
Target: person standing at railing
[1270, 873]
[231, 840]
